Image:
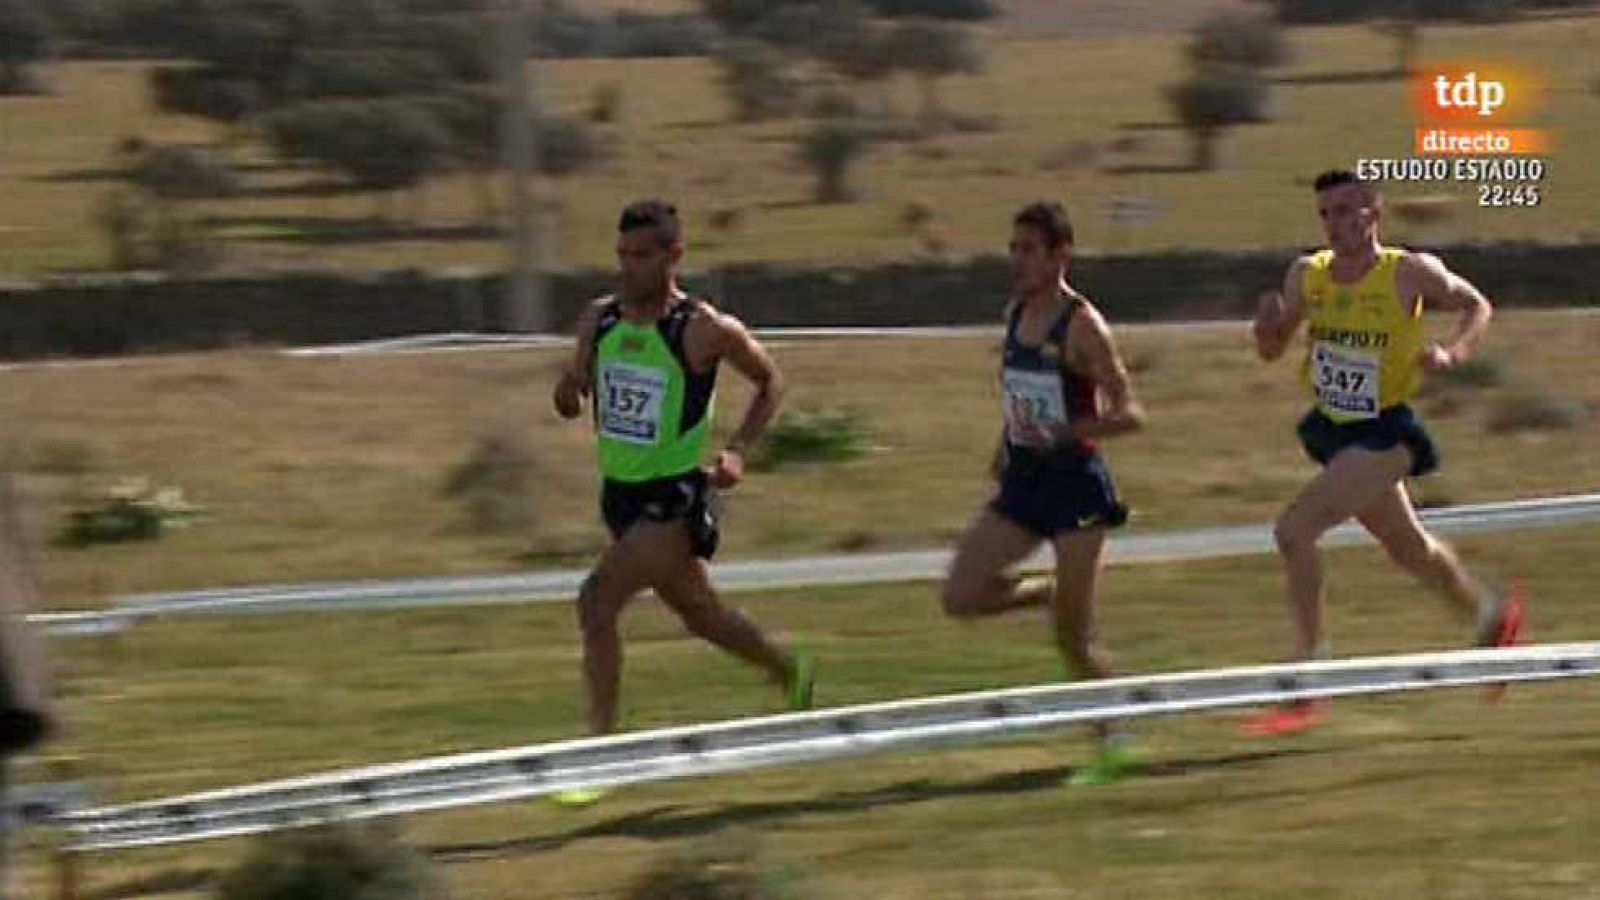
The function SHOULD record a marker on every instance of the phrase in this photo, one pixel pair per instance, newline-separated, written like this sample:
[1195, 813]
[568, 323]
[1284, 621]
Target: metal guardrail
[866, 568]
[511, 774]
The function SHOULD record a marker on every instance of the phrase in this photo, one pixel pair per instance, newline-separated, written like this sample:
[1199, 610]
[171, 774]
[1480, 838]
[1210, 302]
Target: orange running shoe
[1504, 629]
[1281, 721]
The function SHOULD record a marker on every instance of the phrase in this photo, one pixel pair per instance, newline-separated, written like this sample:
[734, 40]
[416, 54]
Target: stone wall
[107, 315]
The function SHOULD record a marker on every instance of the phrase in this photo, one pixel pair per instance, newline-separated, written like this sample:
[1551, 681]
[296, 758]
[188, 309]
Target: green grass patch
[329, 469]
[1400, 794]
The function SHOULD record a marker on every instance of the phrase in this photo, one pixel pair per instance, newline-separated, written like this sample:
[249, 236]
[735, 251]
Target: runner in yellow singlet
[1366, 355]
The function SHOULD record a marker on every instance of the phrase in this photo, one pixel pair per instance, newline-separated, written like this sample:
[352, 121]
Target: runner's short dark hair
[657, 214]
[1333, 178]
[1049, 218]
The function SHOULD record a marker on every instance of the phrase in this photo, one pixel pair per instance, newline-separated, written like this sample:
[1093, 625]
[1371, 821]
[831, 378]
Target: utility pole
[528, 306]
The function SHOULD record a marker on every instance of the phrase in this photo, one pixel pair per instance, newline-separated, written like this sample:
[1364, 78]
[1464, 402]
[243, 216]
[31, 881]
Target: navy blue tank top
[1039, 386]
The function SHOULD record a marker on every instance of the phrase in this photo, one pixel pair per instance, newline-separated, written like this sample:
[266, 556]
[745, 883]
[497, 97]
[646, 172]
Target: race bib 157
[629, 399]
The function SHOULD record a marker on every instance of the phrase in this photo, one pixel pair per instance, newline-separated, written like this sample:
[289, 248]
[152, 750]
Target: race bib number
[1346, 381]
[630, 402]
[1033, 403]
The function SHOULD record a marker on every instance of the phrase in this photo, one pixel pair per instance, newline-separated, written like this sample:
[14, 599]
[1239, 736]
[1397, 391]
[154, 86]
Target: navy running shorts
[1055, 494]
[1322, 437]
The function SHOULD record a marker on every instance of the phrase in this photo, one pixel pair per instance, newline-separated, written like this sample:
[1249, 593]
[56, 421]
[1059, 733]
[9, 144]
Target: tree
[74, 22]
[736, 16]
[854, 45]
[318, 73]
[1407, 36]
[831, 149]
[472, 116]
[842, 35]
[205, 92]
[253, 39]
[1238, 39]
[1213, 99]
[932, 51]
[27, 37]
[1403, 24]
[453, 43]
[378, 144]
[759, 80]
[957, 10]
[173, 172]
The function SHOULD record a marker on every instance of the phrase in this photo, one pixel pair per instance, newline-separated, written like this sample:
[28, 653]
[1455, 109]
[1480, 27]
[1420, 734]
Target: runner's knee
[1293, 534]
[595, 613]
[961, 596]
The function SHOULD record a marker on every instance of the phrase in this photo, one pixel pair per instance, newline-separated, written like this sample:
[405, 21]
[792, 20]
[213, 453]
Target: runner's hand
[1270, 315]
[728, 470]
[1435, 358]
[569, 394]
[1030, 433]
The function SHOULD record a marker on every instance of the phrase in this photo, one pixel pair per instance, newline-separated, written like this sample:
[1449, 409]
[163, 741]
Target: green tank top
[652, 414]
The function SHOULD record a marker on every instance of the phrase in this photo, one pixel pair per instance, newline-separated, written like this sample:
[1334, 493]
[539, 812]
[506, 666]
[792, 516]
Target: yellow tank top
[1363, 339]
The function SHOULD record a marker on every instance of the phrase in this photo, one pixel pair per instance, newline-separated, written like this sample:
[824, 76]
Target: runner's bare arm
[576, 382]
[1440, 288]
[1098, 350]
[739, 347]
[1279, 314]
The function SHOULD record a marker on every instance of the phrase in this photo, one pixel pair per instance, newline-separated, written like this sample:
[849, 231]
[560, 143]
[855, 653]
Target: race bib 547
[1346, 381]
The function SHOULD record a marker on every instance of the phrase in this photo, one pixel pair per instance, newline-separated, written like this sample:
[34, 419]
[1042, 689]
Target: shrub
[142, 232]
[334, 862]
[1477, 372]
[495, 483]
[1527, 409]
[814, 436]
[130, 510]
[723, 868]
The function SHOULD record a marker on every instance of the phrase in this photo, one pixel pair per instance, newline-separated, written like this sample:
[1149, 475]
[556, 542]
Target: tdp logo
[1475, 93]
[1469, 92]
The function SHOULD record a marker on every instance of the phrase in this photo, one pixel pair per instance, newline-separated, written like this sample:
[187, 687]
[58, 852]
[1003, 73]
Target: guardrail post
[66, 865]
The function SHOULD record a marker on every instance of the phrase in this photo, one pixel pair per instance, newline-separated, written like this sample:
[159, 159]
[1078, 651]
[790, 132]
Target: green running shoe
[802, 682]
